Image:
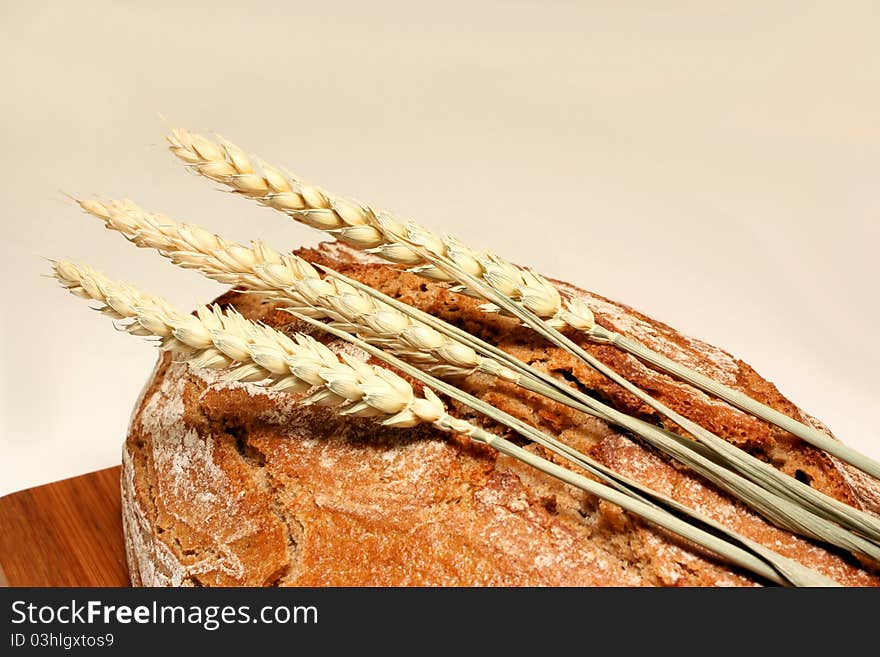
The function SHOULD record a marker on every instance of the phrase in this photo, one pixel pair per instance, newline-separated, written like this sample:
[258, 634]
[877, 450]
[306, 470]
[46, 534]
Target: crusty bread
[228, 484]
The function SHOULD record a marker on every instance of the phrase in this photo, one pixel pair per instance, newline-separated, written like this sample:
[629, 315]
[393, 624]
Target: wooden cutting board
[68, 533]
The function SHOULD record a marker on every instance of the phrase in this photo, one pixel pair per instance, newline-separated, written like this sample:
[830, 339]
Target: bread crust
[227, 484]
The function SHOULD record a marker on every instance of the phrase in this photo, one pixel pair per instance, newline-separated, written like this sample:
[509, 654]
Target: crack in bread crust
[230, 484]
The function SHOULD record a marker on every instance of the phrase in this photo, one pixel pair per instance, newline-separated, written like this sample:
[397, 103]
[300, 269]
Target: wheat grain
[378, 232]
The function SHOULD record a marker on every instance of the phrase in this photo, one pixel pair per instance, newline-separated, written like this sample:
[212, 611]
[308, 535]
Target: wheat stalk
[431, 343]
[380, 232]
[254, 352]
[786, 511]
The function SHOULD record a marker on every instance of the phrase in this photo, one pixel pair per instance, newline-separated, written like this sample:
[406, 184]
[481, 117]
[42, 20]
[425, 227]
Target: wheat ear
[254, 352]
[382, 233]
[294, 281]
[364, 228]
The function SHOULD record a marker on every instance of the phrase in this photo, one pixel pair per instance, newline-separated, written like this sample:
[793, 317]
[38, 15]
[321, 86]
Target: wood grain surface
[67, 533]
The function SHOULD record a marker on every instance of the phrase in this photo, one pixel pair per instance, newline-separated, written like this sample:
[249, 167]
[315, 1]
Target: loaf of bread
[228, 484]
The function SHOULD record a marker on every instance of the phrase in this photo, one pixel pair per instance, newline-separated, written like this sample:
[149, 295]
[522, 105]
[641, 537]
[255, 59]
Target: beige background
[715, 165]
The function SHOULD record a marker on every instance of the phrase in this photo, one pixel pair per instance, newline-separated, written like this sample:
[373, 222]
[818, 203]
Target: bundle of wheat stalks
[436, 354]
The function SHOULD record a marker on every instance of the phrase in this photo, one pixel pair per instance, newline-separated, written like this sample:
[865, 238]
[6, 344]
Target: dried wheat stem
[358, 309]
[364, 228]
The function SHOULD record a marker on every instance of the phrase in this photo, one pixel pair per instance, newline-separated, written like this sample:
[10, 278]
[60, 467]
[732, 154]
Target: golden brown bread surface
[227, 484]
